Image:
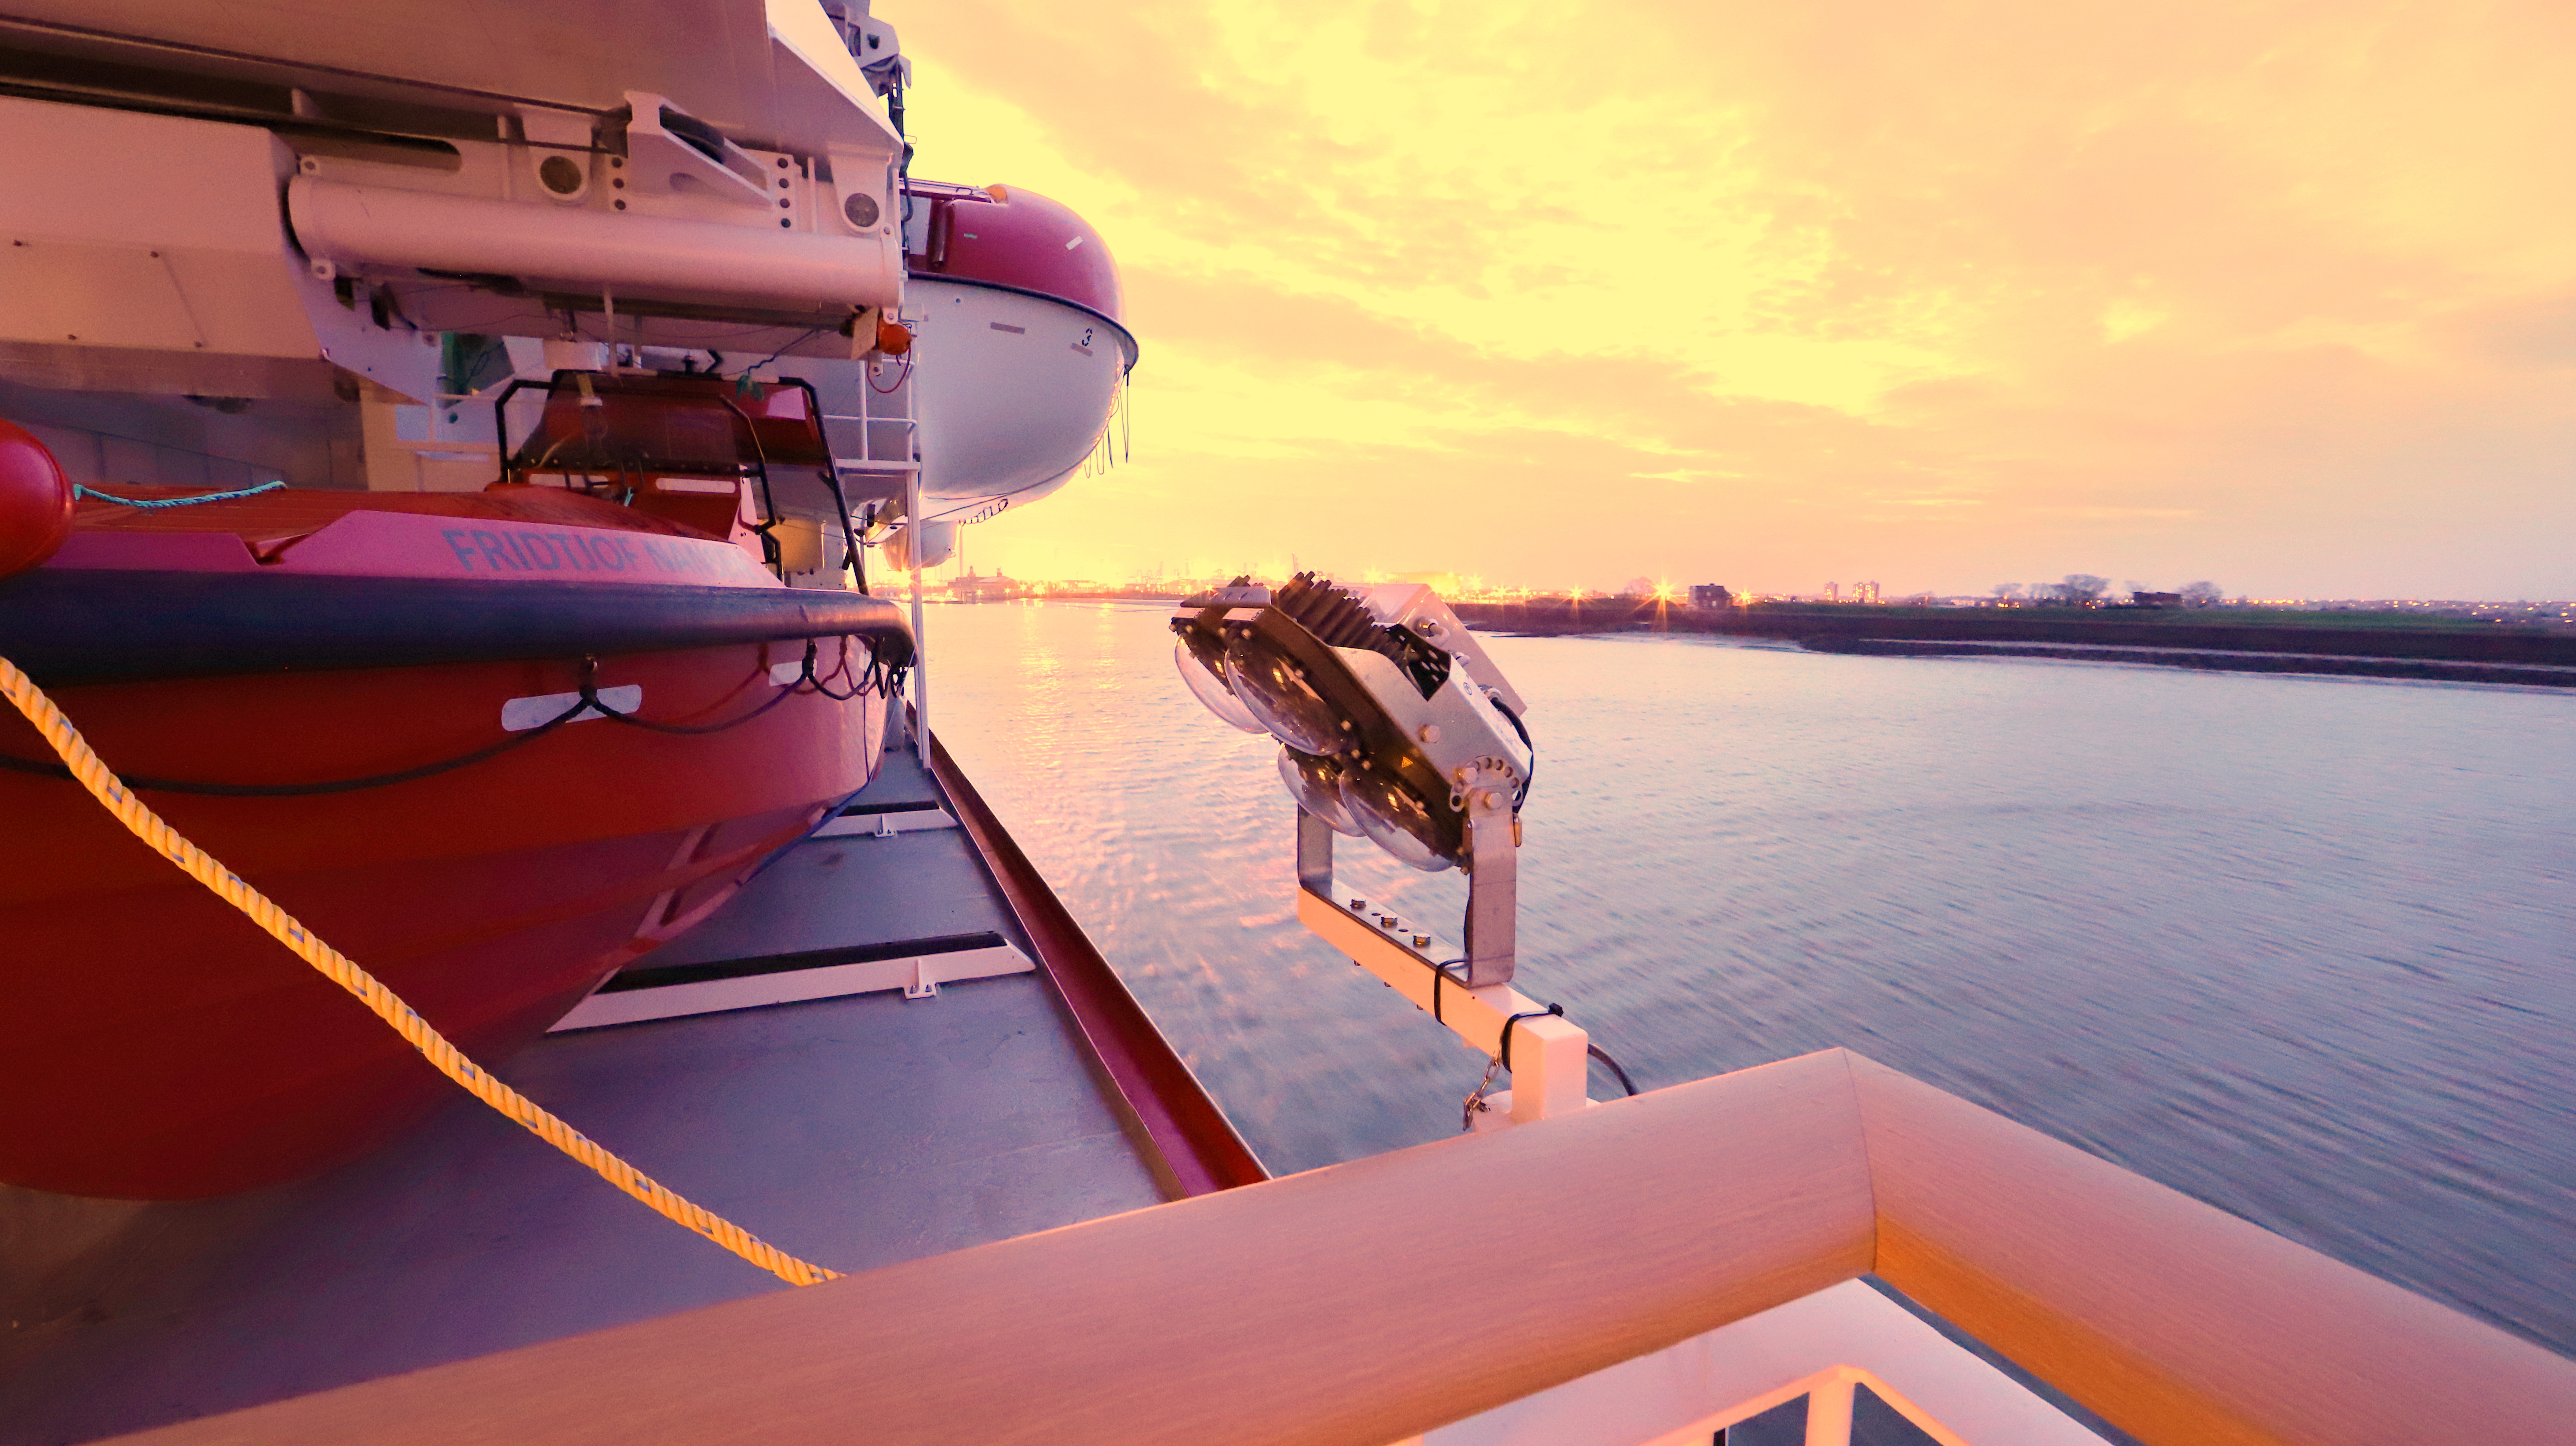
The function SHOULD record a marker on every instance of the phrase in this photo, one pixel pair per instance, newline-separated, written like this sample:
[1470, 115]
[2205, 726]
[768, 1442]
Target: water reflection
[2298, 947]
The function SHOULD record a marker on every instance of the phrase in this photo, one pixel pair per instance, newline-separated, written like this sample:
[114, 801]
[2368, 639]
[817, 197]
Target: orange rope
[143, 823]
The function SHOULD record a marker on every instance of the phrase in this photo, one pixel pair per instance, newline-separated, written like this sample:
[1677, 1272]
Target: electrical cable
[1522, 795]
[1439, 974]
[874, 676]
[1505, 1057]
[810, 678]
[149, 784]
[1603, 1055]
[900, 379]
[685, 730]
[770, 551]
[782, 351]
[155, 504]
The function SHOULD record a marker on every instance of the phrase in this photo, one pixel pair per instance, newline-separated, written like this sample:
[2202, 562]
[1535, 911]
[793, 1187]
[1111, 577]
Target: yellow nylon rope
[93, 774]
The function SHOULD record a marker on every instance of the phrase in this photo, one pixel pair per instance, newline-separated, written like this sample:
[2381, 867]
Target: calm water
[2302, 948]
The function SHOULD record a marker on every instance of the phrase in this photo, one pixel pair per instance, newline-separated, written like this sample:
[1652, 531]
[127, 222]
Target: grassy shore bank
[2369, 644]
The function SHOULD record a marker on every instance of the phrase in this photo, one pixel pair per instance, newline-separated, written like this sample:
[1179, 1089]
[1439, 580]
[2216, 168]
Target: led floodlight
[1210, 689]
[1385, 695]
[1316, 784]
[1392, 721]
[1396, 819]
[1200, 655]
[1274, 684]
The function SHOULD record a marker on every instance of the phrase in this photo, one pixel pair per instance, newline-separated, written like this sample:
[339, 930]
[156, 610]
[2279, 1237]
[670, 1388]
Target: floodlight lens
[1274, 688]
[1394, 819]
[1211, 690]
[1316, 784]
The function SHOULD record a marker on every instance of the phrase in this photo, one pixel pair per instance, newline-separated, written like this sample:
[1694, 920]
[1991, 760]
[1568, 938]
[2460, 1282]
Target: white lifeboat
[1023, 346]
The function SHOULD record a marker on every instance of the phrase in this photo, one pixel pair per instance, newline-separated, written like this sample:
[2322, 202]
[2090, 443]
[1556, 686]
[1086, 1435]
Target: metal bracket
[1314, 854]
[924, 985]
[1493, 891]
[1493, 899]
[1547, 1050]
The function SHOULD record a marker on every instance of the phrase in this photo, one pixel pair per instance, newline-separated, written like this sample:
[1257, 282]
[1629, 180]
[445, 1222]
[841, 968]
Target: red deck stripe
[1199, 1151]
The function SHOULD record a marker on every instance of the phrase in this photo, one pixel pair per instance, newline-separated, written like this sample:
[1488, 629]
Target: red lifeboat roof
[1006, 236]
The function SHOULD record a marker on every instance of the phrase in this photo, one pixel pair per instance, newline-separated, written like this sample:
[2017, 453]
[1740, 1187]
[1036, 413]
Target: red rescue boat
[489, 739]
[491, 745]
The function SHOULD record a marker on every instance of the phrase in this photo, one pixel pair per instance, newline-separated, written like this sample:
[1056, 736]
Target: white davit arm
[341, 225]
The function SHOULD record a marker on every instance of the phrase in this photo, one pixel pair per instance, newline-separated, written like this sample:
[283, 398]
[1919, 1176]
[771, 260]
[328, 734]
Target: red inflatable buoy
[35, 501]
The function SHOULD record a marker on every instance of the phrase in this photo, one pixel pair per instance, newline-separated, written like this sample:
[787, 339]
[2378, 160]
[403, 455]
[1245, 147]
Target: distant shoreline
[2214, 639]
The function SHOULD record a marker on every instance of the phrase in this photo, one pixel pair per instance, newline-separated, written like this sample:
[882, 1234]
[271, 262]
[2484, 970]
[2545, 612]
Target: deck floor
[855, 1132]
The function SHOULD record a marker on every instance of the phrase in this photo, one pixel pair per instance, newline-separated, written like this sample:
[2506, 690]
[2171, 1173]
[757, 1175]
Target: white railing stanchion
[1829, 1411]
[920, 643]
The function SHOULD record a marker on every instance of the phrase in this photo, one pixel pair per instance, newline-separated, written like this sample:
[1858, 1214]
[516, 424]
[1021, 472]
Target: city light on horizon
[961, 581]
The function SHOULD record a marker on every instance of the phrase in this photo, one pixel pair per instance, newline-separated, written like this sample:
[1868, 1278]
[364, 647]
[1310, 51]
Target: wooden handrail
[1367, 1302]
[2172, 1319]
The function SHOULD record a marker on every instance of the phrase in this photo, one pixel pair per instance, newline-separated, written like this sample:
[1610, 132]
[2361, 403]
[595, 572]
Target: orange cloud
[1761, 294]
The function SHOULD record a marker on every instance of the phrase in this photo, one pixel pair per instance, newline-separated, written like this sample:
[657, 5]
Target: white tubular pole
[1829, 1411]
[650, 255]
[920, 644]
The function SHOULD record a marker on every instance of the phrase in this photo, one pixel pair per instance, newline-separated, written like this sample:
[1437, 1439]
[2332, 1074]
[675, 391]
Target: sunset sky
[1939, 295]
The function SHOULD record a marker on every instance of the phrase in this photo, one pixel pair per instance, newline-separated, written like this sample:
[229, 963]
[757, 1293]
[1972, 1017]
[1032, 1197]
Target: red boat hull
[159, 1045]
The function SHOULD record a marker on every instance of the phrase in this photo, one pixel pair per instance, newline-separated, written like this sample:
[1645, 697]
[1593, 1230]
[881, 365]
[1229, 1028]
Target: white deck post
[1829, 1411]
[1550, 1066]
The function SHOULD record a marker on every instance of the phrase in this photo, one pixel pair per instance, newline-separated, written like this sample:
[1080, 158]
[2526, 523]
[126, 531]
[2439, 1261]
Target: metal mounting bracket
[1493, 892]
[1472, 999]
[1493, 899]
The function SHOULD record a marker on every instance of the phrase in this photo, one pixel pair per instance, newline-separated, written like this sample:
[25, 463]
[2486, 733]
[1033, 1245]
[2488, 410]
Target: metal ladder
[896, 411]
